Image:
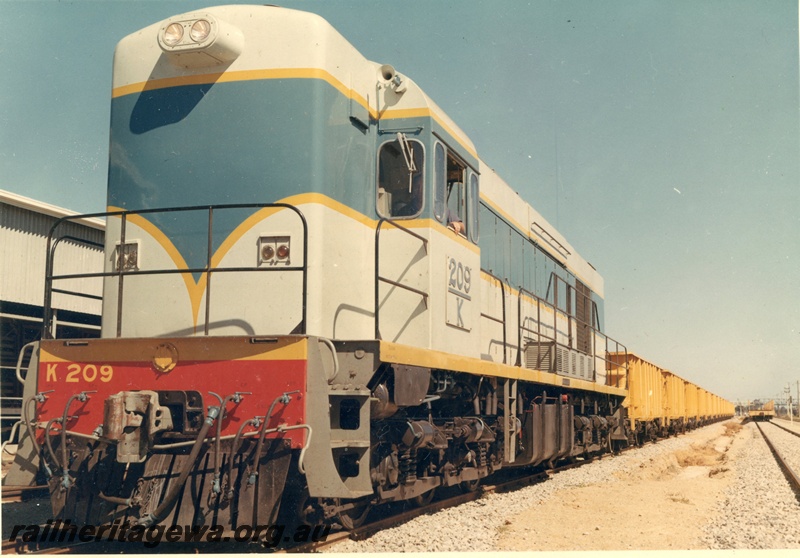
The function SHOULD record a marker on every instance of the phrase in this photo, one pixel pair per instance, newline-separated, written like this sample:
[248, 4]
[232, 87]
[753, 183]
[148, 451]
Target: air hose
[167, 504]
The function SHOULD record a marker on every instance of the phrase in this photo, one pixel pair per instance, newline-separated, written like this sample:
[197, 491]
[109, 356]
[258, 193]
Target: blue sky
[661, 137]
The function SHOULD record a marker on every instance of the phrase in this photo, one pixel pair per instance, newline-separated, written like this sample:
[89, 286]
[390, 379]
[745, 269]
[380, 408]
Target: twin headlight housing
[200, 40]
[174, 34]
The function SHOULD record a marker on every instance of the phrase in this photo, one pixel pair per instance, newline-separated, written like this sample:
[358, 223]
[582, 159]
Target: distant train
[317, 298]
[764, 412]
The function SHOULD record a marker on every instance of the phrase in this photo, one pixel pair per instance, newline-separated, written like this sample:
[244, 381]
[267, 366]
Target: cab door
[402, 279]
[455, 255]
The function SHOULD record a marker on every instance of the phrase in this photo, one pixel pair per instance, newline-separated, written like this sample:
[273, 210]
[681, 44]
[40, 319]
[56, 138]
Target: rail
[792, 476]
[789, 430]
[121, 272]
[380, 279]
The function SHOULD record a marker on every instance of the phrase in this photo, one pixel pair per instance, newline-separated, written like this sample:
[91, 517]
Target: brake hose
[169, 501]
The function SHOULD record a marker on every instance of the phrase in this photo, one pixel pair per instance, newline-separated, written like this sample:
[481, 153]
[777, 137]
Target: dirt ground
[659, 504]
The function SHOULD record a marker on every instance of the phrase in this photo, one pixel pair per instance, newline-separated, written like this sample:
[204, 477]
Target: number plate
[459, 294]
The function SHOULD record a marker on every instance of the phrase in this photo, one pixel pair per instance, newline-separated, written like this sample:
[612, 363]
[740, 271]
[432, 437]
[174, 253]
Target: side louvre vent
[550, 357]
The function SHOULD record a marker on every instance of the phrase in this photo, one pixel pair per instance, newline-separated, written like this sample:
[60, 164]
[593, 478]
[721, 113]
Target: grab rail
[379, 279]
[538, 332]
[503, 321]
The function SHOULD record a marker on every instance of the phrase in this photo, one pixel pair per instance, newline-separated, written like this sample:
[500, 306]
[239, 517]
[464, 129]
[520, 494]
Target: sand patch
[659, 504]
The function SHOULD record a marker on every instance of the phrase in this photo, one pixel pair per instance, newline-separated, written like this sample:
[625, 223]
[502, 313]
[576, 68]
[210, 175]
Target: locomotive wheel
[422, 500]
[308, 510]
[469, 486]
[354, 517]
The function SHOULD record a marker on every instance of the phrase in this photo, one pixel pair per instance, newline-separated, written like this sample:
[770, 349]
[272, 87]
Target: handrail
[612, 363]
[503, 295]
[554, 339]
[539, 301]
[47, 317]
[53, 242]
[20, 358]
[379, 279]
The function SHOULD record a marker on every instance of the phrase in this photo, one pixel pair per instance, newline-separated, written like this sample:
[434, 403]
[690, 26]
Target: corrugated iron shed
[24, 226]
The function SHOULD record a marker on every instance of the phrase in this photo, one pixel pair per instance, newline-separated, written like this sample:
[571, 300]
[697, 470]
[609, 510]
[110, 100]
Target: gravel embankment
[759, 509]
[475, 525]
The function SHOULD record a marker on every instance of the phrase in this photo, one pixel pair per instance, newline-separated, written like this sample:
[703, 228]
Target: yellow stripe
[174, 255]
[287, 73]
[196, 289]
[404, 354]
[194, 349]
[237, 233]
[427, 113]
[515, 292]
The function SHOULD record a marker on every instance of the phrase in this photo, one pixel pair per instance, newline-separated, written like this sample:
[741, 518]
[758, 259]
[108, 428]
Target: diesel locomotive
[316, 296]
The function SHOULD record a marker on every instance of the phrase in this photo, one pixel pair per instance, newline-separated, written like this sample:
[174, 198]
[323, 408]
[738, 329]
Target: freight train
[661, 403]
[316, 298]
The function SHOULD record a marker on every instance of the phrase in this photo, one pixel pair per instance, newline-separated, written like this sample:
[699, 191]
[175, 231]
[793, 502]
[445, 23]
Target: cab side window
[455, 185]
[400, 178]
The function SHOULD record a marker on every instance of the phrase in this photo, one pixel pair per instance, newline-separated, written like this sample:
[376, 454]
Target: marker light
[200, 30]
[283, 252]
[173, 34]
[273, 250]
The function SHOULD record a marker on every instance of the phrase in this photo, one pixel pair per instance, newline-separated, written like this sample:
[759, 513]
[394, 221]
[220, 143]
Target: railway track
[394, 519]
[782, 427]
[383, 520]
[392, 515]
[780, 452]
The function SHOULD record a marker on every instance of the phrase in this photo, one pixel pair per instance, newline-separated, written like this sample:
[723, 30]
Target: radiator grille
[559, 360]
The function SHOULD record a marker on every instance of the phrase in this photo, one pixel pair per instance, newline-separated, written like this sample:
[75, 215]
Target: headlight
[200, 39]
[200, 30]
[173, 34]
